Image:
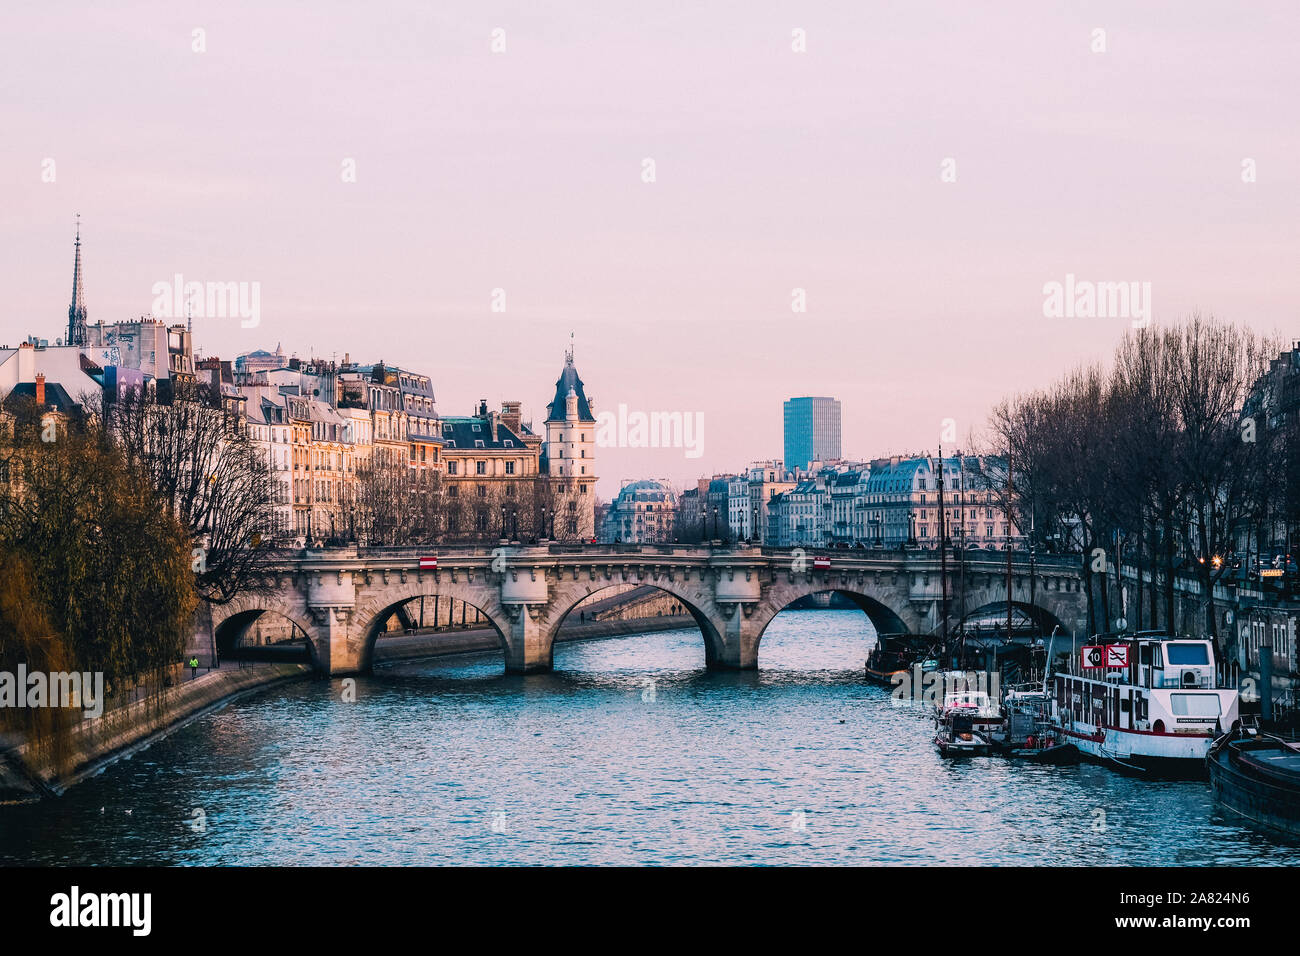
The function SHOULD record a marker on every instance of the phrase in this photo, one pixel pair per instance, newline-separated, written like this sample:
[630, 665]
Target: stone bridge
[341, 599]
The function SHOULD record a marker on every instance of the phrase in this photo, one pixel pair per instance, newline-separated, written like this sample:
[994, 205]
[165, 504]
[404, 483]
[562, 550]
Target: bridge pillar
[528, 650]
[331, 597]
[736, 645]
[337, 650]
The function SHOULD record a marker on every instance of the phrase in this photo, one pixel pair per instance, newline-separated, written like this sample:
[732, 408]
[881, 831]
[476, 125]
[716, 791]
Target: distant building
[767, 479]
[644, 512]
[569, 460]
[797, 518]
[261, 360]
[812, 431]
[493, 465]
[900, 503]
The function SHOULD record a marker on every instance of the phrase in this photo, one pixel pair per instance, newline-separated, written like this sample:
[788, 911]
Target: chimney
[40, 389]
[511, 415]
[482, 408]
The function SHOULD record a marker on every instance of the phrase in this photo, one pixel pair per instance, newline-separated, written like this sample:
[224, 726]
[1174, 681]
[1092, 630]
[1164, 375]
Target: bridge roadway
[341, 598]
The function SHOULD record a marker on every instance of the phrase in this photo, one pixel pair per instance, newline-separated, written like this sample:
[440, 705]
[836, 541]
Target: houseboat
[1147, 703]
[1256, 777]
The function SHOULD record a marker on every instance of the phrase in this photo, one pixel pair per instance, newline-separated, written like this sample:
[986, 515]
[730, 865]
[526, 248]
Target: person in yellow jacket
[194, 666]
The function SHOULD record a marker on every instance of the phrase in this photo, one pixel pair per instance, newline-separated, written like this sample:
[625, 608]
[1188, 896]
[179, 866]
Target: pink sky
[775, 170]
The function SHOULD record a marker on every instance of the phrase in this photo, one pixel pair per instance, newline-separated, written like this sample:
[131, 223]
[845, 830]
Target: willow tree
[109, 563]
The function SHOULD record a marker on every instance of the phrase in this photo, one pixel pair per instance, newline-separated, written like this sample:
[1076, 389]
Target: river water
[630, 753]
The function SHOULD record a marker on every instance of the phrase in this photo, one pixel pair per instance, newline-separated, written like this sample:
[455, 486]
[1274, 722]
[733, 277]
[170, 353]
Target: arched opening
[1028, 621]
[626, 611]
[263, 635]
[1019, 654]
[830, 631]
[429, 625]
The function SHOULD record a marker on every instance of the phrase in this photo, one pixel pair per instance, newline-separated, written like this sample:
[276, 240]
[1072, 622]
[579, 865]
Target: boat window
[1194, 705]
[1144, 655]
[1180, 654]
[1156, 660]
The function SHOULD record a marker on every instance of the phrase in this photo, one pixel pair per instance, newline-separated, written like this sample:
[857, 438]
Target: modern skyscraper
[812, 431]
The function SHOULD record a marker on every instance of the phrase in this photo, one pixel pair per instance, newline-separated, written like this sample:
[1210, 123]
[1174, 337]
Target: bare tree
[195, 451]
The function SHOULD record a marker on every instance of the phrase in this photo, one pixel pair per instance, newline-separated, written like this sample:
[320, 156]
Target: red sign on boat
[429, 563]
[822, 564]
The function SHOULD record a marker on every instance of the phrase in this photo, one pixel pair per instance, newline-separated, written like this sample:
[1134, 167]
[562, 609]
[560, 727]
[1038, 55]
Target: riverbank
[25, 774]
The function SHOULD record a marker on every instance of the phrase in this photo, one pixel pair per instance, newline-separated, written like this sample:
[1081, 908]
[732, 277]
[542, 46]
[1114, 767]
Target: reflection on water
[630, 753]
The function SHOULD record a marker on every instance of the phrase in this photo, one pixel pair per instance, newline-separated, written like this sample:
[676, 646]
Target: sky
[388, 181]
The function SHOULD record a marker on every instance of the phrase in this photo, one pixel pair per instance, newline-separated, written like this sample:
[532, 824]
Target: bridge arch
[371, 614]
[695, 597]
[1024, 615]
[877, 600]
[231, 623]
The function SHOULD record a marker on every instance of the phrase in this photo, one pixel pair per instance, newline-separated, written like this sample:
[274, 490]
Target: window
[1194, 705]
[478, 443]
[482, 491]
[480, 468]
[451, 467]
[477, 428]
[1188, 654]
[510, 468]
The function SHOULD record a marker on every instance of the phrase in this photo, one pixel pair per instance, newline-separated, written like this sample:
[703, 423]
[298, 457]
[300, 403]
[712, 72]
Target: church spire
[77, 310]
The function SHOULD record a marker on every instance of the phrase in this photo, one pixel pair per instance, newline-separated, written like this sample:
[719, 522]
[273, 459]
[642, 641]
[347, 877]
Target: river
[629, 753]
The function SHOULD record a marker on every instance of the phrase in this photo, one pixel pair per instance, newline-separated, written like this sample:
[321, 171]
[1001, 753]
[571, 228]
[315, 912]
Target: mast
[943, 556]
[961, 550]
[1010, 486]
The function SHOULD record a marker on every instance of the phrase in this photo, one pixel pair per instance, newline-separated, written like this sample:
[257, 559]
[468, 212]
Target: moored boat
[895, 656]
[1149, 703]
[1256, 777]
[1027, 733]
[956, 736]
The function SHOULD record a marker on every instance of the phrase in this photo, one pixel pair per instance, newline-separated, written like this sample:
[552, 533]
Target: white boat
[1158, 712]
[964, 721]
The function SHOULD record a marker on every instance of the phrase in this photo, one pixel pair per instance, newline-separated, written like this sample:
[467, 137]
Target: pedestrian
[194, 666]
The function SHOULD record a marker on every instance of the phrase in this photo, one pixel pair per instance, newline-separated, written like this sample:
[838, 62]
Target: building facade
[812, 431]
